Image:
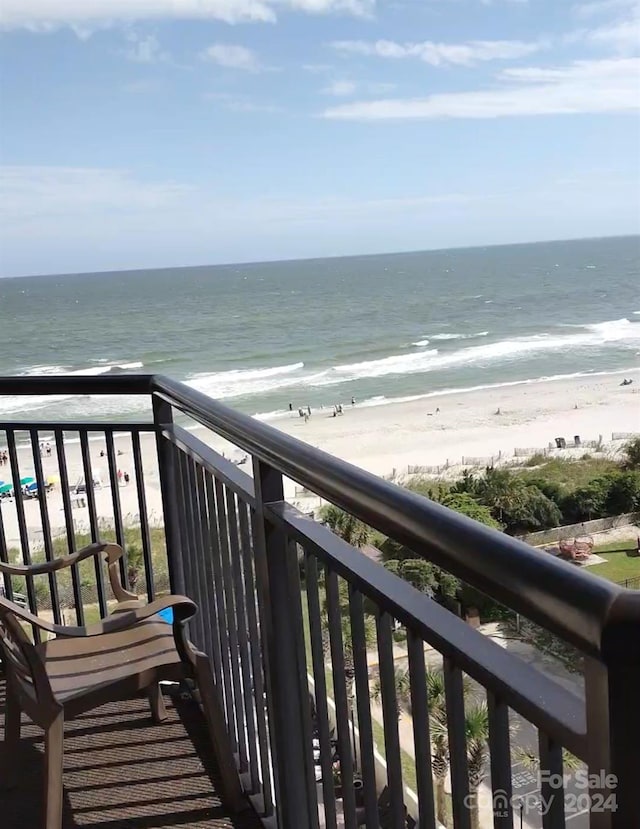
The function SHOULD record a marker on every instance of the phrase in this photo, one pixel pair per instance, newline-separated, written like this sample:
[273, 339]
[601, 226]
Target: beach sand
[378, 438]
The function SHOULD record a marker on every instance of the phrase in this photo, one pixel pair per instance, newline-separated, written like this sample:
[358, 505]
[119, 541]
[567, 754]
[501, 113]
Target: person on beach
[126, 478]
[48, 447]
[290, 407]
[119, 476]
[309, 410]
[353, 401]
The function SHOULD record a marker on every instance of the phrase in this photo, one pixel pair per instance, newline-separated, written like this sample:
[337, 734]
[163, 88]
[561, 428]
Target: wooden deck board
[123, 772]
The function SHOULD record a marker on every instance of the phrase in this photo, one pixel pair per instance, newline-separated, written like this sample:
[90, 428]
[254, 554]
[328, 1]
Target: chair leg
[156, 703]
[9, 775]
[53, 768]
[232, 790]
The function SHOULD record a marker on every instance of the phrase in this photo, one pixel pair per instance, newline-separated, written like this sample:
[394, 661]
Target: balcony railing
[285, 604]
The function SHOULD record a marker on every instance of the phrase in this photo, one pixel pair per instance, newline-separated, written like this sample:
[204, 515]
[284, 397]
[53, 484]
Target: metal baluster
[241, 620]
[69, 523]
[169, 485]
[454, 695]
[205, 599]
[22, 525]
[256, 648]
[320, 684]
[93, 519]
[211, 586]
[365, 728]
[186, 548]
[340, 698]
[225, 656]
[551, 794]
[222, 494]
[117, 509]
[390, 717]
[145, 536]
[500, 759]
[288, 698]
[193, 552]
[4, 557]
[46, 525]
[421, 730]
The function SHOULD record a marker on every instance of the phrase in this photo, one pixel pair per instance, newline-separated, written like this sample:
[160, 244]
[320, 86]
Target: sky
[153, 133]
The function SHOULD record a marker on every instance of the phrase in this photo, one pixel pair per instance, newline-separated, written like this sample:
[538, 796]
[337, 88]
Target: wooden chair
[127, 653]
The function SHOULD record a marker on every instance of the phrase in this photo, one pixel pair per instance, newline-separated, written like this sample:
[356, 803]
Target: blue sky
[147, 133]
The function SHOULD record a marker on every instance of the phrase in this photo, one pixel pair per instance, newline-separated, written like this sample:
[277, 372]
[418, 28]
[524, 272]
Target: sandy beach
[378, 438]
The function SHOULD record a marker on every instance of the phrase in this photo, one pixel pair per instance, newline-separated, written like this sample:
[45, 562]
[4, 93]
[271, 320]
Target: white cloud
[596, 7]
[232, 56]
[86, 15]
[237, 103]
[40, 192]
[345, 88]
[442, 54]
[623, 36]
[340, 88]
[144, 48]
[581, 87]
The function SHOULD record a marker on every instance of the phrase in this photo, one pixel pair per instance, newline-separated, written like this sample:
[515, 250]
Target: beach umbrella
[32, 487]
[25, 481]
[53, 479]
[5, 488]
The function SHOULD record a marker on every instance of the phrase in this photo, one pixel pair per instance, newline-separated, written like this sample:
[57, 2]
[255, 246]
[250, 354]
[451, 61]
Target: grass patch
[570, 474]
[618, 566]
[536, 460]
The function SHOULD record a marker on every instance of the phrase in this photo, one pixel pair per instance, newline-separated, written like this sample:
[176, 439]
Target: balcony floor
[123, 772]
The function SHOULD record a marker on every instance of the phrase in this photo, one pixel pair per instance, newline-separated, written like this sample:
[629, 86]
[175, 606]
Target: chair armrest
[183, 609]
[59, 563]
[114, 552]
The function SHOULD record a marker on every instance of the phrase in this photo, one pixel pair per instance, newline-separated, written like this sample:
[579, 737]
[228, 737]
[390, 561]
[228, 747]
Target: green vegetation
[569, 474]
[476, 732]
[554, 493]
[632, 452]
[86, 569]
[347, 526]
[618, 564]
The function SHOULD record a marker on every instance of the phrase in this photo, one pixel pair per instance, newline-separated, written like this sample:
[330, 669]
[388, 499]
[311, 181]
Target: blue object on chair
[166, 615]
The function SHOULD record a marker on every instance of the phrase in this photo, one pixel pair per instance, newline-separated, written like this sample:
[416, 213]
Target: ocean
[319, 332]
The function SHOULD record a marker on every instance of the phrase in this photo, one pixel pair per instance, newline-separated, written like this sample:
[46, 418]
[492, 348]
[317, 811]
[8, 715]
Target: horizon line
[288, 260]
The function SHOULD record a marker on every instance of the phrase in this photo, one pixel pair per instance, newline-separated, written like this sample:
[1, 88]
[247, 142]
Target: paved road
[526, 790]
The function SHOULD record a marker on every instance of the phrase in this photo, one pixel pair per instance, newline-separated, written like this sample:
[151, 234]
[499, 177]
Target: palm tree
[438, 728]
[347, 526]
[476, 724]
[403, 690]
[476, 727]
[530, 759]
[439, 741]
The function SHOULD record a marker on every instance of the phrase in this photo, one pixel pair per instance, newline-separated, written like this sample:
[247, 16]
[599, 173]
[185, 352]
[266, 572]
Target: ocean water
[319, 332]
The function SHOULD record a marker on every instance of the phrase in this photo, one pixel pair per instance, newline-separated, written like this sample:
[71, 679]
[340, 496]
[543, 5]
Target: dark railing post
[288, 695]
[163, 416]
[613, 687]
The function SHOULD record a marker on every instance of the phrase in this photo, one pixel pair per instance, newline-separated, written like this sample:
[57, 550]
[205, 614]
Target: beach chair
[80, 668]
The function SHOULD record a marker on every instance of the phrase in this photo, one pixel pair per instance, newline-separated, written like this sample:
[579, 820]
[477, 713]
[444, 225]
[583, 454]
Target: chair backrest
[20, 658]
